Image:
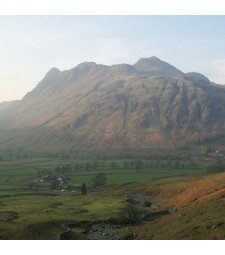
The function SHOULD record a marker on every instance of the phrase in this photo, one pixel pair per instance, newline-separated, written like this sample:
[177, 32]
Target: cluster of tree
[137, 165]
[112, 155]
[32, 185]
[133, 154]
[17, 155]
[128, 155]
[57, 171]
[89, 165]
[171, 164]
[217, 167]
[210, 150]
[134, 164]
[99, 180]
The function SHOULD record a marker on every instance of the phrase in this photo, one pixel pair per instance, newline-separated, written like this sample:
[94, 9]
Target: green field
[19, 171]
[43, 212]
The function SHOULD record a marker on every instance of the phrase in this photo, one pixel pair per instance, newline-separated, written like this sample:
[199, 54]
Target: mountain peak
[53, 71]
[152, 59]
[148, 62]
[197, 77]
[86, 64]
[86, 68]
[150, 104]
[155, 66]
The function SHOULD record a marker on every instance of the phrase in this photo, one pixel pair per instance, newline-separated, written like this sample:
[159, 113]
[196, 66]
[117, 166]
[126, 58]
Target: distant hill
[150, 104]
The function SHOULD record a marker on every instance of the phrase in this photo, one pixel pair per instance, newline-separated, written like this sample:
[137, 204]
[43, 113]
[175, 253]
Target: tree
[130, 213]
[169, 164]
[218, 167]
[67, 168]
[193, 164]
[99, 179]
[139, 165]
[87, 166]
[57, 170]
[125, 165]
[114, 165]
[210, 150]
[77, 167]
[103, 164]
[132, 164]
[95, 164]
[177, 164]
[31, 185]
[83, 189]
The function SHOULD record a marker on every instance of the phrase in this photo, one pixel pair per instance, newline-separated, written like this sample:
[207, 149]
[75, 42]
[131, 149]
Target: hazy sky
[31, 45]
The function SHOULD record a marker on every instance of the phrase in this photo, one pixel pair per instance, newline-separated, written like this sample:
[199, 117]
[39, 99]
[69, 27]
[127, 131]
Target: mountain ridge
[145, 105]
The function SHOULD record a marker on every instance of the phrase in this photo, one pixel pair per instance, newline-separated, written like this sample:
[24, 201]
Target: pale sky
[31, 45]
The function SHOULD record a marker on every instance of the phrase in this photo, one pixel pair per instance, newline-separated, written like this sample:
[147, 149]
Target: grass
[39, 219]
[37, 210]
[17, 171]
[198, 205]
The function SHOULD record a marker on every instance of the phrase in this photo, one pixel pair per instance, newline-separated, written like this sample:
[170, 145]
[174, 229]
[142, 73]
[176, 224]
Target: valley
[114, 152]
[136, 200]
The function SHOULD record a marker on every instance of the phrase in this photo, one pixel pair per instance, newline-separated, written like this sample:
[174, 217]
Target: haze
[31, 45]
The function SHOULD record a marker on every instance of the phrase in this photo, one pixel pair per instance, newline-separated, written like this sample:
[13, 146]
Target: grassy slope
[198, 205]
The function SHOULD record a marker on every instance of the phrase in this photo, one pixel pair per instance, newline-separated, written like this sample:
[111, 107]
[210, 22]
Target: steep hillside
[150, 104]
[197, 209]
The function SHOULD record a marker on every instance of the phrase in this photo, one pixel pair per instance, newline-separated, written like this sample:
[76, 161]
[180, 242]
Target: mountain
[150, 104]
[156, 67]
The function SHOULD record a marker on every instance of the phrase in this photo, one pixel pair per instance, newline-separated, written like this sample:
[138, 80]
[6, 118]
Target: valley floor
[157, 202]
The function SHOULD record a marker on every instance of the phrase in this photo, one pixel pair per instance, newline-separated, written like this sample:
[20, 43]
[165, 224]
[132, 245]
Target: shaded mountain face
[150, 104]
